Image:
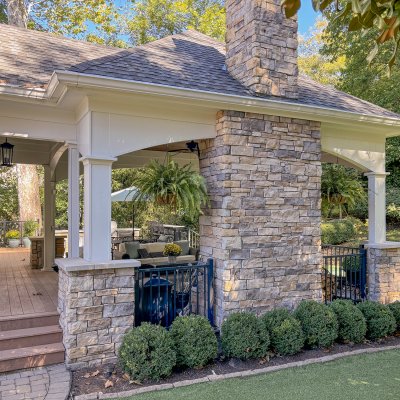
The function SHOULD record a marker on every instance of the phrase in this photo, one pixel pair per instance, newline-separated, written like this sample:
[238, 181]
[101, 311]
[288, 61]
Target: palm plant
[168, 184]
[341, 187]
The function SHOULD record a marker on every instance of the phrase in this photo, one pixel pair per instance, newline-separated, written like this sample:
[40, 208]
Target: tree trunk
[17, 13]
[28, 193]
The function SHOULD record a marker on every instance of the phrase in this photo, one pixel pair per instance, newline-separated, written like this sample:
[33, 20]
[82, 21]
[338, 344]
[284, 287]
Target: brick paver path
[43, 383]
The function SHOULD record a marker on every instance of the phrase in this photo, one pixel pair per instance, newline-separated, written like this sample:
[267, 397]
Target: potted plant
[13, 238]
[30, 228]
[169, 184]
[172, 250]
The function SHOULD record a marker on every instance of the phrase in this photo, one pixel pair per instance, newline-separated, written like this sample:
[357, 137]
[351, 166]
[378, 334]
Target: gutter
[60, 81]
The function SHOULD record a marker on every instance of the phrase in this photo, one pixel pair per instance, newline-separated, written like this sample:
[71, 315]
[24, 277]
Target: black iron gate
[165, 292]
[344, 273]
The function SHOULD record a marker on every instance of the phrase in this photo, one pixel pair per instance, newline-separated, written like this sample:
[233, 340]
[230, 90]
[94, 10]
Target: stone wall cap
[385, 245]
[79, 264]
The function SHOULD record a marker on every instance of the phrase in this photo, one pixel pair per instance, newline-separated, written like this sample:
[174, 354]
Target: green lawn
[366, 377]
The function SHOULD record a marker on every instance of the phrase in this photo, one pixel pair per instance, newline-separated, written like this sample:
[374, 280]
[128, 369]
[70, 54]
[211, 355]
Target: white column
[97, 208]
[376, 207]
[73, 201]
[49, 215]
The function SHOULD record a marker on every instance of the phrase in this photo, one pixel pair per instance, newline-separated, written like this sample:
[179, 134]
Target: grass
[367, 377]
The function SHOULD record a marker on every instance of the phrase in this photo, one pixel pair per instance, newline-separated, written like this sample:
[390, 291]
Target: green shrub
[195, 341]
[147, 352]
[352, 324]
[395, 308]
[12, 234]
[380, 319]
[338, 231]
[30, 227]
[244, 336]
[319, 323]
[287, 338]
[274, 318]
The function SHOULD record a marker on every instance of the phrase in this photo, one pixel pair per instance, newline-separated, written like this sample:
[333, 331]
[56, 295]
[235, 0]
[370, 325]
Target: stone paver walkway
[44, 383]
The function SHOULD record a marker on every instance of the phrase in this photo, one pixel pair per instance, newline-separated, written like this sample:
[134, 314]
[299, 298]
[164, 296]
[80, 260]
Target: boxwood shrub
[147, 352]
[395, 308]
[380, 319]
[287, 338]
[337, 231]
[352, 324]
[319, 323]
[195, 341]
[274, 318]
[244, 336]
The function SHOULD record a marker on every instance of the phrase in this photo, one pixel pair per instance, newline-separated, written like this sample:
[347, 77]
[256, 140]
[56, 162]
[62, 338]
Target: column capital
[377, 174]
[94, 160]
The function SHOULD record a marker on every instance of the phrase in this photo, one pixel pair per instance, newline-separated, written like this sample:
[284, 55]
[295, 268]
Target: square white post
[73, 201]
[97, 208]
[49, 216]
[376, 207]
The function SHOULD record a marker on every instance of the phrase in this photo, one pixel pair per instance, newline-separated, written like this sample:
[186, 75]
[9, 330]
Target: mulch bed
[90, 380]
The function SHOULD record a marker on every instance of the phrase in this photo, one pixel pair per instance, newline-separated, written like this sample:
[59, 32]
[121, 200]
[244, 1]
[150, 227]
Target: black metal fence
[344, 273]
[166, 292]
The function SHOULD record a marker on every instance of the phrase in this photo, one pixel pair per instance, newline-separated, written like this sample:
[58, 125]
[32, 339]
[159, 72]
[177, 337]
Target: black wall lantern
[193, 146]
[7, 152]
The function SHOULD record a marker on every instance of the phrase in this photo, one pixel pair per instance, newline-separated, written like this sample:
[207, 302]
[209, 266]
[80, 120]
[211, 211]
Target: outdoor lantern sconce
[193, 146]
[7, 152]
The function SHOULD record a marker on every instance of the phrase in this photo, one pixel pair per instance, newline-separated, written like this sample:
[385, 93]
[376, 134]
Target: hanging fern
[169, 184]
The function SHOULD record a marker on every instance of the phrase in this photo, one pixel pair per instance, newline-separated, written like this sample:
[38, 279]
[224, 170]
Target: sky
[306, 17]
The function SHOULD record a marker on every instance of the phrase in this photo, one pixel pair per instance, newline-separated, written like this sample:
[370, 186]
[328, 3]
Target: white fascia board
[62, 80]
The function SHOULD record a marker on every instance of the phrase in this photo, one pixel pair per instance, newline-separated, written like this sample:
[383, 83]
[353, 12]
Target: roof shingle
[188, 60]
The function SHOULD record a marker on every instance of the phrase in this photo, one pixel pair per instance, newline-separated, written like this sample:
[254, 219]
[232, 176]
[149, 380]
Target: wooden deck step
[29, 337]
[30, 357]
[14, 322]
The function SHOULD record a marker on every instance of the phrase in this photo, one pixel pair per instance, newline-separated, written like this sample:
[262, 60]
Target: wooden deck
[24, 291]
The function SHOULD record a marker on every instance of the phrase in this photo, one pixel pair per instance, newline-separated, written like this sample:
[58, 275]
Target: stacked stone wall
[263, 226]
[96, 309]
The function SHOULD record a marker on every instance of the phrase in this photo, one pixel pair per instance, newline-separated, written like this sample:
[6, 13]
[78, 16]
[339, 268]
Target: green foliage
[8, 194]
[341, 187]
[319, 323]
[147, 352]
[180, 188]
[30, 227]
[352, 324]
[380, 319]
[155, 19]
[395, 309]
[287, 338]
[12, 234]
[337, 231]
[244, 336]
[274, 318]
[195, 341]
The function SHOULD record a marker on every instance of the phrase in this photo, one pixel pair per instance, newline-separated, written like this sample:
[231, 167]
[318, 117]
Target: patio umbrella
[127, 194]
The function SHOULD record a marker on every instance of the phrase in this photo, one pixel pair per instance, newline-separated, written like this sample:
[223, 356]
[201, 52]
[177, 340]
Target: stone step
[30, 357]
[15, 322]
[19, 338]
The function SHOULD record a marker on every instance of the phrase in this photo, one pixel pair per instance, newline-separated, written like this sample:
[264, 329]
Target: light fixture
[7, 152]
[193, 146]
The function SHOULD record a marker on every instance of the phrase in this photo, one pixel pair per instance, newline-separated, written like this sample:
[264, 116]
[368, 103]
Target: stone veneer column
[263, 227]
[384, 272]
[261, 46]
[96, 306]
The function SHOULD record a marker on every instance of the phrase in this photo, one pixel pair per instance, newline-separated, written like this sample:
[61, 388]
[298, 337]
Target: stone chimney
[262, 47]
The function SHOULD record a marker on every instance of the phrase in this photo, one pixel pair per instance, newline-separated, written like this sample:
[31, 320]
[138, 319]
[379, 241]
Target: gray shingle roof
[188, 60]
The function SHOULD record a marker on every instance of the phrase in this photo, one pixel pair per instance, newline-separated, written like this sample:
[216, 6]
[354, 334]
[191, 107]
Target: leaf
[108, 384]
[135, 382]
[95, 373]
[126, 376]
[87, 375]
[373, 53]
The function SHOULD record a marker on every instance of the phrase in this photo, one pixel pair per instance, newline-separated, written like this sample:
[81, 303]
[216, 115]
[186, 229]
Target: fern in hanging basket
[172, 185]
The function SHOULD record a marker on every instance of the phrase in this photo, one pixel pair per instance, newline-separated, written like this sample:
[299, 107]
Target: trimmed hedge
[195, 342]
[287, 338]
[395, 308]
[244, 336]
[337, 231]
[319, 323]
[352, 324]
[380, 319]
[274, 318]
[147, 352]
